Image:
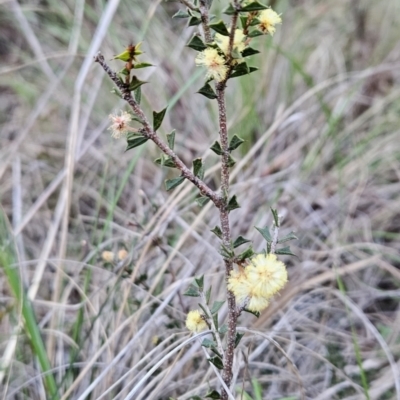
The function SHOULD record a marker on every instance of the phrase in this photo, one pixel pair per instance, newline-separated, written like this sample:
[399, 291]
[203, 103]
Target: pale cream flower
[214, 63]
[258, 282]
[122, 254]
[268, 19]
[108, 256]
[120, 124]
[266, 274]
[238, 42]
[195, 321]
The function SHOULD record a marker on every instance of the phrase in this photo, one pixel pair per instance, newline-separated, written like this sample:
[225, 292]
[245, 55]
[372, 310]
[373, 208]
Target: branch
[149, 133]
[189, 5]
[205, 21]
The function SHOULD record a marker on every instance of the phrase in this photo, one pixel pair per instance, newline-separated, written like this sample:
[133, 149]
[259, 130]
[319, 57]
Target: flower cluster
[216, 57]
[254, 285]
[120, 124]
[268, 19]
[195, 321]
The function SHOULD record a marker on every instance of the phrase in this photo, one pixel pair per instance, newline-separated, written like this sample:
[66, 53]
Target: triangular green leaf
[207, 91]
[231, 161]
[216, 148]
[217, 362]
[238, 338]
[171, 139]
[208, 294]
[248, 51]
[225, 252]
[200, 282]
[181, 14]
[288, 237]
[208, 343]
[253, 6]
[138, 94]
[135, 83]
[220, 28]
[192, 292]
[135, 142]
[202, 200]
[193, 21]
[217, 231]
[240, 69]
[204, 310]
[285, 251]
[239, 241]
[249, 252]
[276, 217]
[266, 234]
[165, 162]
[230, 10]
[255, 313]
[198, 168]
[213, 395]
[233, 203]
[255, 33]
[216, 306]
[196, 44]
[235, 142]
[223, 329]
[243, 20]
[173, 183]
[142, 65]
[158, 118]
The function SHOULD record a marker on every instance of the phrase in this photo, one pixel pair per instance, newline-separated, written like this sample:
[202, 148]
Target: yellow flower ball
[268, 19]
[195, 321]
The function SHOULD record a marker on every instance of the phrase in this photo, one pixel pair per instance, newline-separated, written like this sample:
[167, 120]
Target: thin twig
[188, 4]
[149, 133]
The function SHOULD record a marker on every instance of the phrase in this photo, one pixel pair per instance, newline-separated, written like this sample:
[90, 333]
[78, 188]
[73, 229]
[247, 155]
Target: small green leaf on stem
[233, 203]
[255, 33]
[266, 234]
[138, 94]
[217, 231]
[226, 253]
[193, 21]
[288, 237]
[213, 395]
[181, 14]
[255, 313]
[231, 161]
[219, 27]
[223, 329]
[230, 10]
[196, 44]
[235, 142]
[208, 294]
[200, 282]
[135, 83]
[215, 319]
[135, 141]
[204, 310]
[249, 252]
[142, 65]
[217, 362]
[165, 161]
[192, 291]
[158, 118]
[208, 343]
[239, 241]
[202, 200]
[238, 338]
[216, 306]
[248, 51]
[216, 148]
[171, 139]
[198, 168]
[173, 183]
[285, 251]
[207, 91]
[276, 217]
[253, 6]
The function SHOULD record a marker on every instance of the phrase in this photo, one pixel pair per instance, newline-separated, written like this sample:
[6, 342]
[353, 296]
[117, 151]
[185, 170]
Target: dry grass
[321, 119]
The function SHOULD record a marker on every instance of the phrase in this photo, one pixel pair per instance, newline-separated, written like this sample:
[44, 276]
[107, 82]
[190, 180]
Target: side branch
[149, 133]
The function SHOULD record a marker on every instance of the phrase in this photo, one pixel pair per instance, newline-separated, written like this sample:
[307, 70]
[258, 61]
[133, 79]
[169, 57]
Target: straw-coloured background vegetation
[321, 120]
